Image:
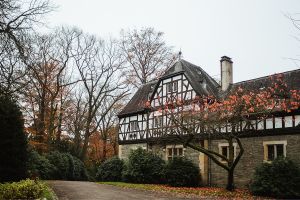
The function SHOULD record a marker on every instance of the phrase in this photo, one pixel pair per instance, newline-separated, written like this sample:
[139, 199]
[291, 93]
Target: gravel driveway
[75, 190]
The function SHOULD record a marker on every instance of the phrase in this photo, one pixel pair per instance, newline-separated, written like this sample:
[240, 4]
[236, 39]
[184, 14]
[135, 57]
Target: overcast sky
[254, 33]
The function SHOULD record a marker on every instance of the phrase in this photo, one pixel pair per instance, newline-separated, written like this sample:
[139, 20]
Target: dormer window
[172, 86]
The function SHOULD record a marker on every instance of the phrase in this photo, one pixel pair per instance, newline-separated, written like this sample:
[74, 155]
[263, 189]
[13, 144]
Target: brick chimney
[226, 72]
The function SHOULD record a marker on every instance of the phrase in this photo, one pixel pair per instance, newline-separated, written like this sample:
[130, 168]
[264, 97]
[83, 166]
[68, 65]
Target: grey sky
[254, 33]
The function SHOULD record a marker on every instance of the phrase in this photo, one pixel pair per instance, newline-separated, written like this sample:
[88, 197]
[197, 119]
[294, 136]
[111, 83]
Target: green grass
[130, 185]
[188, 191]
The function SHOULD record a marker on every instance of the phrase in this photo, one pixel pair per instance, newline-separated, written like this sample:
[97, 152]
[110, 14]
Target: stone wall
[253, 156]
[158, 149]
[124, 150]
[189, 153]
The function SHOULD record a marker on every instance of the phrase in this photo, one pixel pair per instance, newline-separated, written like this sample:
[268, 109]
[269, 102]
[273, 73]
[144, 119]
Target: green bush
[56, 165]
[181, 172]
[110, 170]
[77, 170]
[67, 166]
[143, 167]
[280, 179]
[61, 162]
[39, 166]
[92, 169]
[13, 143]
[25, 189]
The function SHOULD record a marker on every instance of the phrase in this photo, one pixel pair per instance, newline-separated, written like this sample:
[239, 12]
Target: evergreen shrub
[280, 179]
[181, 172]
[110, 170]
[40, 166]
[13, 142]
[143, 167]
[67, 166]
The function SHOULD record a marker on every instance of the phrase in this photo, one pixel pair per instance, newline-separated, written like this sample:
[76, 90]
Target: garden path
[78, 190]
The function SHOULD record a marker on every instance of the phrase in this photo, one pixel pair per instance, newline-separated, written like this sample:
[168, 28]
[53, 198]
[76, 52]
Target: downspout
[147, 131]
[209, 161]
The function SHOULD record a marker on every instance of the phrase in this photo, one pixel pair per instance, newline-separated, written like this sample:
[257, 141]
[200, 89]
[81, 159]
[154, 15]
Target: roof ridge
[263, 77]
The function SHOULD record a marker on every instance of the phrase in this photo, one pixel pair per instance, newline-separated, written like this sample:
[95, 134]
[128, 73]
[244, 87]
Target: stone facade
[124, 150]
[159, 149]
[253, 156]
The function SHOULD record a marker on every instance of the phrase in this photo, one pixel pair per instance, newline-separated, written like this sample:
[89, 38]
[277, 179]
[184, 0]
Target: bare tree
[296, 22]
[108, 131]
[98, 64]
[19, 17]
[17, 21]
[75, 116]
[12, 69]
[146, 53]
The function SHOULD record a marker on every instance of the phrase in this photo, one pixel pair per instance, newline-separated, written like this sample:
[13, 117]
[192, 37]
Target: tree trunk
[59, 127]
[77, 142]
[104, 150]
[230, 180]
[84, 148]
[41, 126]
[87, 135]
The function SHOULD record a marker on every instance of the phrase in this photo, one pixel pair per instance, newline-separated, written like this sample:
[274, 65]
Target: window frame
[222, 145]
[172, 86]
[134, 127]
[275, 143]
[158, 121]
[172, 147]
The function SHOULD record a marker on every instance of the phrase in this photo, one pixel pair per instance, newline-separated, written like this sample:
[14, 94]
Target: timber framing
[192, 81]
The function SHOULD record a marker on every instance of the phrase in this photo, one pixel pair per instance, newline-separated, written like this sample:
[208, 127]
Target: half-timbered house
[142, 127]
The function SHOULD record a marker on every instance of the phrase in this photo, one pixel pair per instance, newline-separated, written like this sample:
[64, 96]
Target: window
[158, 121]
[174, 151]
[172, 86]
[133, 126]
[224, 150]
[274, 149]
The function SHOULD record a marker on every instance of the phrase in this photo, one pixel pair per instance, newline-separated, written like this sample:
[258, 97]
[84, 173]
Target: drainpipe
[209, 161]
[147, 131]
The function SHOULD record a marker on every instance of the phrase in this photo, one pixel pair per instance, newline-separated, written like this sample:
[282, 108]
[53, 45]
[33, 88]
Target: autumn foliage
[241, 101]
[100, 150]
[227, 116]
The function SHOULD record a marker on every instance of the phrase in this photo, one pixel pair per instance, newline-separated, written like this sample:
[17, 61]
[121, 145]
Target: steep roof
[291, 78]
[202, 83]
[199, 79]
[138, 101]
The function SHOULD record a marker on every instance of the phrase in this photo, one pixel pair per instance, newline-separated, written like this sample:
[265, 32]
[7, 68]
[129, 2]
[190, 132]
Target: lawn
[210, 192]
